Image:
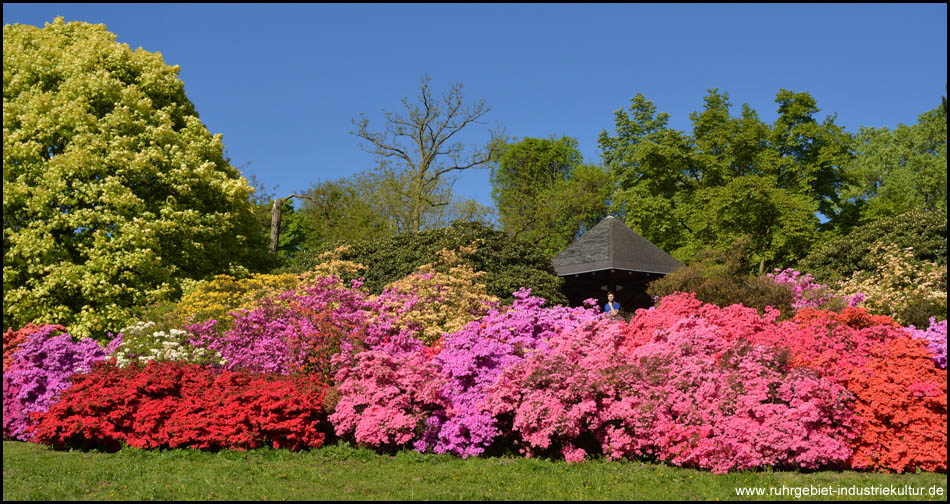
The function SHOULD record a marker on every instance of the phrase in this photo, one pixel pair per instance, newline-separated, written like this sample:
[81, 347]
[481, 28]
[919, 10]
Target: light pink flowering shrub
[936, 337]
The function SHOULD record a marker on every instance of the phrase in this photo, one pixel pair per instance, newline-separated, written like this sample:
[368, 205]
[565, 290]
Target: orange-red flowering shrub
[171, 405]
[902, 398]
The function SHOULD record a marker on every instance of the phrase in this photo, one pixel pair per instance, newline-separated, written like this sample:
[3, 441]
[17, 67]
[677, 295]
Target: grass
[342, 472]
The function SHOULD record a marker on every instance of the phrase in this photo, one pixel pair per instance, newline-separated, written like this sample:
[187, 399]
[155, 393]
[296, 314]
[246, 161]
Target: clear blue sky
[282, 82]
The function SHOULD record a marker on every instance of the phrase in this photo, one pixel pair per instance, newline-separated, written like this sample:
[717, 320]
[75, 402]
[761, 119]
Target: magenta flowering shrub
[810, 294]
[41, 371]
[474, 357]
[936, 337]
[295, 331]
[385, 400]
[691, 395]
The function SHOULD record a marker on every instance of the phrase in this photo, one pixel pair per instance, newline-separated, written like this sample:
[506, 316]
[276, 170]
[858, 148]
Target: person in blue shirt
[612, 308]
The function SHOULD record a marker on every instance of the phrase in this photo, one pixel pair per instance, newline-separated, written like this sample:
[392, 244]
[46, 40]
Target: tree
[114, 191]
[669, 182]
[414, 144]
[544, 193]
[894, 172]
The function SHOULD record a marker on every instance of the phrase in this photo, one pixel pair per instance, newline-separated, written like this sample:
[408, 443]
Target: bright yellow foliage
[213, 299]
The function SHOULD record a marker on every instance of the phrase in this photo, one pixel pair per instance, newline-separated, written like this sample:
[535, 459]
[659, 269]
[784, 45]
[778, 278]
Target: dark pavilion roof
[612, 245]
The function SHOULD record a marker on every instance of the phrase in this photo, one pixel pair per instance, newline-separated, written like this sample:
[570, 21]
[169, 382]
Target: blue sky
[282, 82]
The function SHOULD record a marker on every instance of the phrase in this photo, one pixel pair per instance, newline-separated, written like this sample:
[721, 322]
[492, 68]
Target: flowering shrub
[41, 370]
[13, 339]
[296, 331]
[170, 405]
[474, 357]
[141, 344]
[899, 286]
[902, 399]
[936, 337]
[385, 399]
[215, 298]
[689, 396]
[430, 302]
[809, 294]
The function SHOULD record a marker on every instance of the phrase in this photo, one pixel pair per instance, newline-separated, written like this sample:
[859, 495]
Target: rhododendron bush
[172, 405]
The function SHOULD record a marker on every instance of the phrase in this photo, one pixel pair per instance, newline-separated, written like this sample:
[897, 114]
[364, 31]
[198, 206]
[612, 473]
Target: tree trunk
[275, 212]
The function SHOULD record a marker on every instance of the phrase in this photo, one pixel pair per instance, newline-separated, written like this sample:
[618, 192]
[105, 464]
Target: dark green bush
[509, 263]
[719, 277]
[839, 258]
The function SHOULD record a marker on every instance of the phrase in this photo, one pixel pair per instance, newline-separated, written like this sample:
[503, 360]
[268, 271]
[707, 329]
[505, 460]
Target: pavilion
[612, 257]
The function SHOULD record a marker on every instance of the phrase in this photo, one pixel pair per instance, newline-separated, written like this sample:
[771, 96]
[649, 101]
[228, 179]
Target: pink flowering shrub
[41, 371]
[810, 294]
[474, 357]
[385, 400]
[691, 395]
[936, 338]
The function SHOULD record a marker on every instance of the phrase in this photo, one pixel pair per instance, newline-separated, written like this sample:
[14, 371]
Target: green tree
[894, 172]
[419, 152]
[544, 193]
[683, 191]
[114, 191]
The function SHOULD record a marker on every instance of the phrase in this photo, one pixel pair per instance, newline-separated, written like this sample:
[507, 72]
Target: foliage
[474, 357]
[902, 399]
[41, 370]
[114, 191]
[894, 172]
[416, 174]
[720, 277]
[509, 263]
[174, 405]
[544, 193]
[13, 339]
[766, 180]
[898, 285]
[839, 258]
[143, 343]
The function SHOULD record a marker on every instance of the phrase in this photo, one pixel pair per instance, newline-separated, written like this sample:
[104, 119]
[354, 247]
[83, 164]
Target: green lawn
[339, 472]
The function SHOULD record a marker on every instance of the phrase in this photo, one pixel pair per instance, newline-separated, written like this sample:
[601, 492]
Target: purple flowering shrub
[474, 357]
[41, 371]
[936, 337]
[810, 294]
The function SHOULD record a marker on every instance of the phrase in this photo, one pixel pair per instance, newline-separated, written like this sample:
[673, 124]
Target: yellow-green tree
[114, 191]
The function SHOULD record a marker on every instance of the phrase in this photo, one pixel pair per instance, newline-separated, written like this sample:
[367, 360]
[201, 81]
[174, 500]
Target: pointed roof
[612, 245]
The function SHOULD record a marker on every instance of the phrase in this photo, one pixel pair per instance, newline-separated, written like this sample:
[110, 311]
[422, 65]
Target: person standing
[612, 308]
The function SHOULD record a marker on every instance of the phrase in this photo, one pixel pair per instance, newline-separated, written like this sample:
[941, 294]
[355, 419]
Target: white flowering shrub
[141, 344]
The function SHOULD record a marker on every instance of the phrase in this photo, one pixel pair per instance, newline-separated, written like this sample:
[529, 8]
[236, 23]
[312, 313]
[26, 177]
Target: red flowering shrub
[12, 339]
[170, 405]
[902, 398]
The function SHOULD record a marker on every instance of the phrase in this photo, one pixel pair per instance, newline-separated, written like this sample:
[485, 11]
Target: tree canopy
[114, 191]
[768, 182]
[544, 192]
